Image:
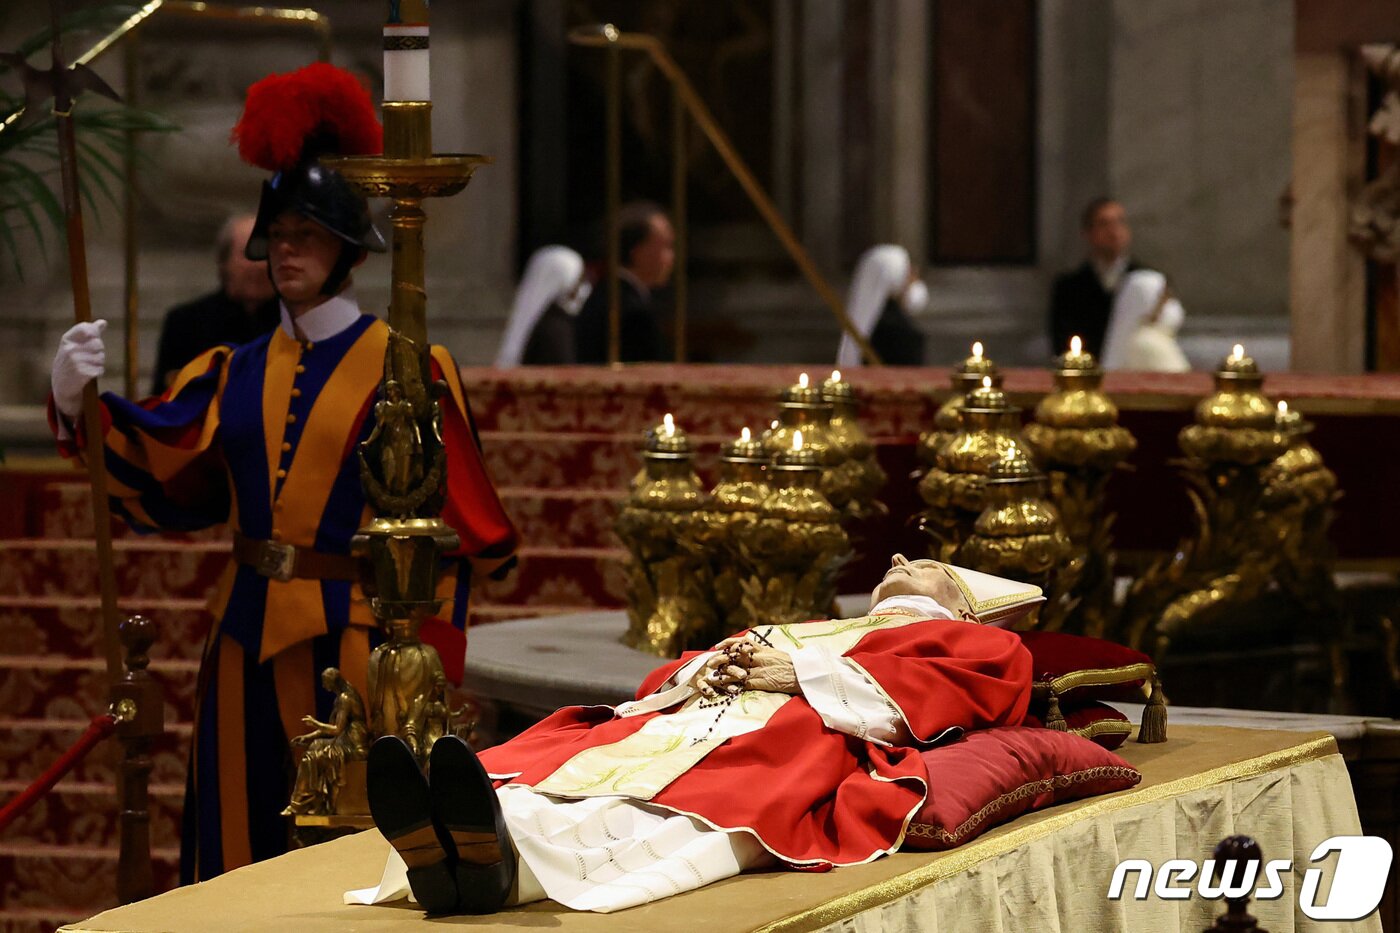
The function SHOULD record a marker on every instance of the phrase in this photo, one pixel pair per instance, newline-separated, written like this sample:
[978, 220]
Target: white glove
[81, 358]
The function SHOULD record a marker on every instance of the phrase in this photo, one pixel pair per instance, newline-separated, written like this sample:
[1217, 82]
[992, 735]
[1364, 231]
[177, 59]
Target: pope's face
[918, 578]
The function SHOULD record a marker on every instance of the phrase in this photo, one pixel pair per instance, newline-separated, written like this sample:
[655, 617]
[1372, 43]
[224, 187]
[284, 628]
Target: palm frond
[29, 157]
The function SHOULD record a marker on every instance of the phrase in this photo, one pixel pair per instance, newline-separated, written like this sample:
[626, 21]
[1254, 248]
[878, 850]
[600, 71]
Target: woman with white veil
[540, 331]
[1143, 325]
[884, 292]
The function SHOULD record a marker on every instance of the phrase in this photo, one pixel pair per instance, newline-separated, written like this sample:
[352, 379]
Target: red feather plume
[304, 114]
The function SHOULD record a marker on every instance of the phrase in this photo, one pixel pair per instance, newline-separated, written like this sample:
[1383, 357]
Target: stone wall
[1180, 107]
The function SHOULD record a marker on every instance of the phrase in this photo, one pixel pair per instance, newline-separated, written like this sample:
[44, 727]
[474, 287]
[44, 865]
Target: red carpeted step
[65, 511]
[72, 625]
[62, 884]
[77, 813]
[563, 518]
[28, 746]
[580, 577]
[585, 399]
[43, 687]
[564, 460]
[149, 568]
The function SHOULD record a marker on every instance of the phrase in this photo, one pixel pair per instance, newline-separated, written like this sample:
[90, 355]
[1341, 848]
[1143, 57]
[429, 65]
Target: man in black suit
[1082, 300]
[648, 250]
[242, 308]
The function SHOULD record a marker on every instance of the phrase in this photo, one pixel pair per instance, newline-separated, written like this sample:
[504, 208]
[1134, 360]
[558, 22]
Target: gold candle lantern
[660, 524]
[797, 547]
[802, 408]
[1018, 535]
[965, 377]
[1236, 423]
[988, 431]
[737, 500]
[861, 471]
[1233, 552]
[1077, 439]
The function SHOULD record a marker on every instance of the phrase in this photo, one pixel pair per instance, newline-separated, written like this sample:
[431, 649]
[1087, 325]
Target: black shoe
[402, 808]
[465, 806]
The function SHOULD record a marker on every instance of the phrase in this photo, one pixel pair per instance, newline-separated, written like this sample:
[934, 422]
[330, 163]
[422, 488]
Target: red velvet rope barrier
[97, 730]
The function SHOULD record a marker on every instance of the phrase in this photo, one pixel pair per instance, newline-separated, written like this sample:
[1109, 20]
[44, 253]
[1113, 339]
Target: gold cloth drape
[1043, 873]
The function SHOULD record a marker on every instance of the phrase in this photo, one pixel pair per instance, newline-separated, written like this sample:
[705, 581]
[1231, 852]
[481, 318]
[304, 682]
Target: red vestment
[815, 797]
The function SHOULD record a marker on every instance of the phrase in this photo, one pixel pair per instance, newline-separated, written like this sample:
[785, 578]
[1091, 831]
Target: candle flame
[668, 424]
[774, 425]
[1282, 407]
[802, 381]
[836, 375]
[1238, 353]
[986, 382]
[977, 350]
[796, 440]
[1076, 346]
[745, 436]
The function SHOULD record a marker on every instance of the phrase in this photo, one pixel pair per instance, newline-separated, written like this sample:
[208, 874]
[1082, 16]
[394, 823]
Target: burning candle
[668, 425]
[836, 375]
[1076, 346]
[1237, 354]
[1282, 409]
[406, 52]
[797, 437]
[802, 380]
[745, 436]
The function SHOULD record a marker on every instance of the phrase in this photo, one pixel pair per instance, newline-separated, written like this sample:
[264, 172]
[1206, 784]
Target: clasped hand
[739, 665]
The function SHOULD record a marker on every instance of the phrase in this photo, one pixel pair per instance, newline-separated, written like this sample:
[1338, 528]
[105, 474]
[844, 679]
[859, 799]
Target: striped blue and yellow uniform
[263, 437]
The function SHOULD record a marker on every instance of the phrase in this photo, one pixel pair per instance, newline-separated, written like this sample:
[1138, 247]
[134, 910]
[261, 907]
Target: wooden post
[140, 712]
[1237, 919]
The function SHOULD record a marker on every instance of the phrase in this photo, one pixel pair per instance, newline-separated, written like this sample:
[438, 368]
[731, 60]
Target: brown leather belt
[283, 562]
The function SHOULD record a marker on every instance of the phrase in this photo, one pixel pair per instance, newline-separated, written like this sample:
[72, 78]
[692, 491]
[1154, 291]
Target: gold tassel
[1053, 718]
[1154, 715]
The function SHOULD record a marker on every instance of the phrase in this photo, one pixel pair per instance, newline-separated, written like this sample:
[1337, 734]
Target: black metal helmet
[289, 122]
[320, 194]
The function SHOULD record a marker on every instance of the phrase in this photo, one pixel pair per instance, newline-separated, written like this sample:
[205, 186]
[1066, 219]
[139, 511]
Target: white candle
[406, 53]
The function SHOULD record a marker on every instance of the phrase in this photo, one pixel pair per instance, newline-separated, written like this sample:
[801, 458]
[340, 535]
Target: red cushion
[1088, 668]
[1097, 722]
[992, 775]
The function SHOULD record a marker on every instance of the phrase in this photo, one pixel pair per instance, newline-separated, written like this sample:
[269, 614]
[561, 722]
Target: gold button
[277, 507]
[276, 533]
[286, 446]
[296, 393]
[300, 368]
[281, 474]
[291, 419]
[309, 344]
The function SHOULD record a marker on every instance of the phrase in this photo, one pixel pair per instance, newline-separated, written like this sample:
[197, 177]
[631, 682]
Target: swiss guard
[263, 437]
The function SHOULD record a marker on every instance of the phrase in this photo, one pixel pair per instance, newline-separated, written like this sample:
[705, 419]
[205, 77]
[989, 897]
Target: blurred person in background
[885, 291]
[540, 331]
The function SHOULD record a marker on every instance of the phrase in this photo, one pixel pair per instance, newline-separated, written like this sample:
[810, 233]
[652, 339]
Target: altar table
[1045, 872]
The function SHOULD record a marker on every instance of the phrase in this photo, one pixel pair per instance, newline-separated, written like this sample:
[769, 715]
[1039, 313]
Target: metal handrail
[608, 36]
[272, 17]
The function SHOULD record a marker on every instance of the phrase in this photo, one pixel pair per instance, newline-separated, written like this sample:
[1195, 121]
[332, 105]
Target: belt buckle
[277, 561]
